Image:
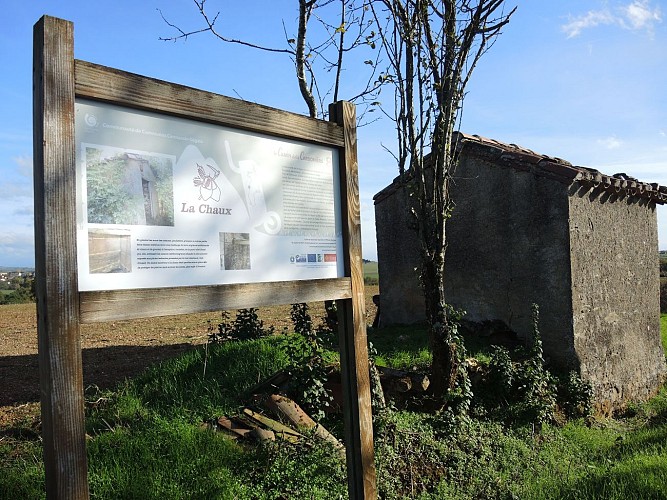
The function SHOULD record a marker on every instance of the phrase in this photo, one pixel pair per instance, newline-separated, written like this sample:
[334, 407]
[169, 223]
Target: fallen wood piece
[291, 411]
[213, 426]
[232, 427]
[282, 431]
[403, 381]
[255, 431]
[275, 382]
[262, 434]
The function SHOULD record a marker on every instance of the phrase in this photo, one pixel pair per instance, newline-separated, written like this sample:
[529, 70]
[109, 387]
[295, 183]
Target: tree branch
[210, 27]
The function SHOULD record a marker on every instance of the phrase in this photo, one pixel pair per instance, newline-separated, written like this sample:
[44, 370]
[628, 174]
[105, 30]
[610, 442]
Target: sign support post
[60, 365]
[353, 342]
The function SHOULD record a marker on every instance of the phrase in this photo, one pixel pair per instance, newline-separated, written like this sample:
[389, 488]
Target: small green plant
[302, 470]
[459, 398]
[247, 325]
[523, 390]
[223, 331]
[306, 363]
[501, 373]
[575, 396]
[537, 384]
[303, 324]
[329, 324]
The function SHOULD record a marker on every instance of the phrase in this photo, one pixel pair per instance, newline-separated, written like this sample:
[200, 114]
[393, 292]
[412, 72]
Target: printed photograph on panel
[129, 188]
[109, 251]
[234, 251]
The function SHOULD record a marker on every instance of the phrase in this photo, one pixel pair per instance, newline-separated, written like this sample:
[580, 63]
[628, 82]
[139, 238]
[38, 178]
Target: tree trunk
[441, 365]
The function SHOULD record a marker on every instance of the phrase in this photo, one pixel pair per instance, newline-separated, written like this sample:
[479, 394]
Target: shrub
[575, 396]
[246, 326]
[306, 363]
[523, 390]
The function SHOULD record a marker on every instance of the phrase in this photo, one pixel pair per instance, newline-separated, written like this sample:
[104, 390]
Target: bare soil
[111, 352]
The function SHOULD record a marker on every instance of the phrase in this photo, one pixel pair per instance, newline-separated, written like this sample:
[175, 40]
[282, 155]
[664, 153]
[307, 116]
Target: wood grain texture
[352, 326]
[60, 366]
[127, 89]
[152, 302]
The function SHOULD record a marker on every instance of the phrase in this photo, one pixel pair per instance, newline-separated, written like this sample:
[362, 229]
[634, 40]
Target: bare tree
[432, 47]
[341, 26]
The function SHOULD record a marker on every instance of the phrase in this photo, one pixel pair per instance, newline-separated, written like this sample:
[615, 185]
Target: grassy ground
[371, 276]
[146, 442]
[371, 270]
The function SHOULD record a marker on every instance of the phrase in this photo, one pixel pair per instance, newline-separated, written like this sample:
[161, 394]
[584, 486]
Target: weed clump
[520, 389]
[306, 364]
[246, 326]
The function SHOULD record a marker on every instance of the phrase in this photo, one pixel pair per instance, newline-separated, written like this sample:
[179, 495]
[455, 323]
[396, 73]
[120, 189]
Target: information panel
[164, 202]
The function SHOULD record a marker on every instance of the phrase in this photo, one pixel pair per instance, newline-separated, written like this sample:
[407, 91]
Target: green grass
[155, 421]
[371, 276]
[371, 270]
[401, 347]
[146, 442]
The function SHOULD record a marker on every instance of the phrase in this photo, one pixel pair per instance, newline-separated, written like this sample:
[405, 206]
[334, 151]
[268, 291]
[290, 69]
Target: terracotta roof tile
[523, 159]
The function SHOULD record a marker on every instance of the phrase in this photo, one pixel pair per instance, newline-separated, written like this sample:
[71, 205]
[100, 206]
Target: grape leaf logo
[208, 188]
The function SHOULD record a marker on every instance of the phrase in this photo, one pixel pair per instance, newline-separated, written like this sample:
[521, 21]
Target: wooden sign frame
[58, 79]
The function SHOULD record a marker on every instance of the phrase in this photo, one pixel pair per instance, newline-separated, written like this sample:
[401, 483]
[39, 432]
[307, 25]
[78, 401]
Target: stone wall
[508, 248]
[401, 296]
[616, 295]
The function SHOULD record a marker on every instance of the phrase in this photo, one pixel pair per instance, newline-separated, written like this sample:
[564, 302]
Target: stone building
[527, 229]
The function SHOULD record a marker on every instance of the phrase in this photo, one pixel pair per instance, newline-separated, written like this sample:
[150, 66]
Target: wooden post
[60, 367]
[352, 323]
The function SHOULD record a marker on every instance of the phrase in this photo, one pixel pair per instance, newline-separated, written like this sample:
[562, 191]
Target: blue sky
[582, 80]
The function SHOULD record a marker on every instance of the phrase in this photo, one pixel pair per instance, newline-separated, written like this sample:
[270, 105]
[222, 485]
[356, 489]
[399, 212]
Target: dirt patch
[111, 352]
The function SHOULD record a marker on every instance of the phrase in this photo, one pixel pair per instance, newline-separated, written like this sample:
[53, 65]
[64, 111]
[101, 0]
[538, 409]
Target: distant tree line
[18, 290]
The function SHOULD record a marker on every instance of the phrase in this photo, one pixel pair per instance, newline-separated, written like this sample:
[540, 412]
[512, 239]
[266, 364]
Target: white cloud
[610, 142]
[638, 15]
[589, 20]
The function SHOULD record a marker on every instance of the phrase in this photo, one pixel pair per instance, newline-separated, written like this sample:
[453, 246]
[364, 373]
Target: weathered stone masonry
[533, 229]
